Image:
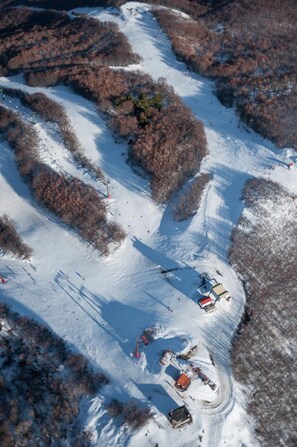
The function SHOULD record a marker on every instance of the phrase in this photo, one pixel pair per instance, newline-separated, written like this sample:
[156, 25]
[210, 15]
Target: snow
[101, 305]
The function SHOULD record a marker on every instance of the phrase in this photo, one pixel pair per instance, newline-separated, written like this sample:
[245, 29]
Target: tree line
[263, 354]
[248, 48]
[164, 137]
[11, 241]
[51, 111]
[41, 384]
[74, 202]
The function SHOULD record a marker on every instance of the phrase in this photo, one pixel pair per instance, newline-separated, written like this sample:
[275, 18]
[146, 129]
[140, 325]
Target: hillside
[163, 159]
[248, 48]
[263, 253]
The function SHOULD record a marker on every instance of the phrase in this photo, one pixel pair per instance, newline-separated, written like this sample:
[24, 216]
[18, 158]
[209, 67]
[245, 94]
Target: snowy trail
[101, 305]
[226, 145]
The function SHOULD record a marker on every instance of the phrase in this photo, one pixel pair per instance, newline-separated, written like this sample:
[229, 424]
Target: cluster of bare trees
[263, 252]
[170, 148]
[74, 202]
[52, 111]
[42, 39]
[11, 241]
[78, 205]
[41, 383]
[60, 4]
[249, 48]
[189, 202]
[190, 7]
[165, 139]
[23, 139]
[134, 415]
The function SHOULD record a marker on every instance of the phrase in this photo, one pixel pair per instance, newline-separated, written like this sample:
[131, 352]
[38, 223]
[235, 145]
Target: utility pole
[107, 183]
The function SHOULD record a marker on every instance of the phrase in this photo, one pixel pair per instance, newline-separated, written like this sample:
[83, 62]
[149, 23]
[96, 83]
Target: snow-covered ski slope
[101, 305]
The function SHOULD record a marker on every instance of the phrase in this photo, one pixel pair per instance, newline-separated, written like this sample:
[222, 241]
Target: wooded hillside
[263, 252]
[248, 47]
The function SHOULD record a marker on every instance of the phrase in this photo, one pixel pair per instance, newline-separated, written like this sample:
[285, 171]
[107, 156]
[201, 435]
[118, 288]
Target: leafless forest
[248, 48]
[189, 202]
[11, 241]
[263, 252]
[141, 112]
[32, 40]
[136, 108]
[75, 203]
[51, 111]
[41, 384]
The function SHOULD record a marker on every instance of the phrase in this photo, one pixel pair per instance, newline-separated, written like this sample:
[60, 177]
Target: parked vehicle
[211, 291]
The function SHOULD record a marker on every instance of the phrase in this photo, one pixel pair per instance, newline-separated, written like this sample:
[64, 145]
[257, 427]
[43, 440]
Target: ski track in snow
[101, 305]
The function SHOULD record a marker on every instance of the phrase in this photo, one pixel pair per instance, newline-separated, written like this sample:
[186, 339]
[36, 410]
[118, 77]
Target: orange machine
[183, 382]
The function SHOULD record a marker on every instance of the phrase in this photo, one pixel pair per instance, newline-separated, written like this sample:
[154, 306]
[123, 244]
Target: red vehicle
[3, 280]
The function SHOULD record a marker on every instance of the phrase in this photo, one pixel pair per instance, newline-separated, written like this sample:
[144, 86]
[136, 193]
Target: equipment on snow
[143, 340]
[3, 280]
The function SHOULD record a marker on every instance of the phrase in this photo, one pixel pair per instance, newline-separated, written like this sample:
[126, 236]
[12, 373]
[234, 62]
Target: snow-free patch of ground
[102, 305]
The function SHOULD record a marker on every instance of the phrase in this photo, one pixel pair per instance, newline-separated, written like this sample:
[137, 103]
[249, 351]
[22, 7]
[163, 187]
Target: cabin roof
[180, 416]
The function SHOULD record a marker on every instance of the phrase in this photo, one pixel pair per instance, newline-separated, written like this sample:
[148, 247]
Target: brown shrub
[253, 59]
[189, 202]
[115, 408]
[136, 416]
[116, 232]
[74, 202]
[52, 39]
[10, 239]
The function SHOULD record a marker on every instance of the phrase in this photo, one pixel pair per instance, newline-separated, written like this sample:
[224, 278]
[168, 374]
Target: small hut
[179, 417]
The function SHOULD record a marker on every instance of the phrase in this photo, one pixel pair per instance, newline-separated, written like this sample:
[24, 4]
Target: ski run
[138, 306]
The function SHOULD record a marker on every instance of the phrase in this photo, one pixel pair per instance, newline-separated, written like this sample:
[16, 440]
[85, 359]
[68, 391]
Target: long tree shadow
[181, 276]
[8, 169]
[120, 321]
[158, 397]
[114, 157]
[74, 293]
[229, 187]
